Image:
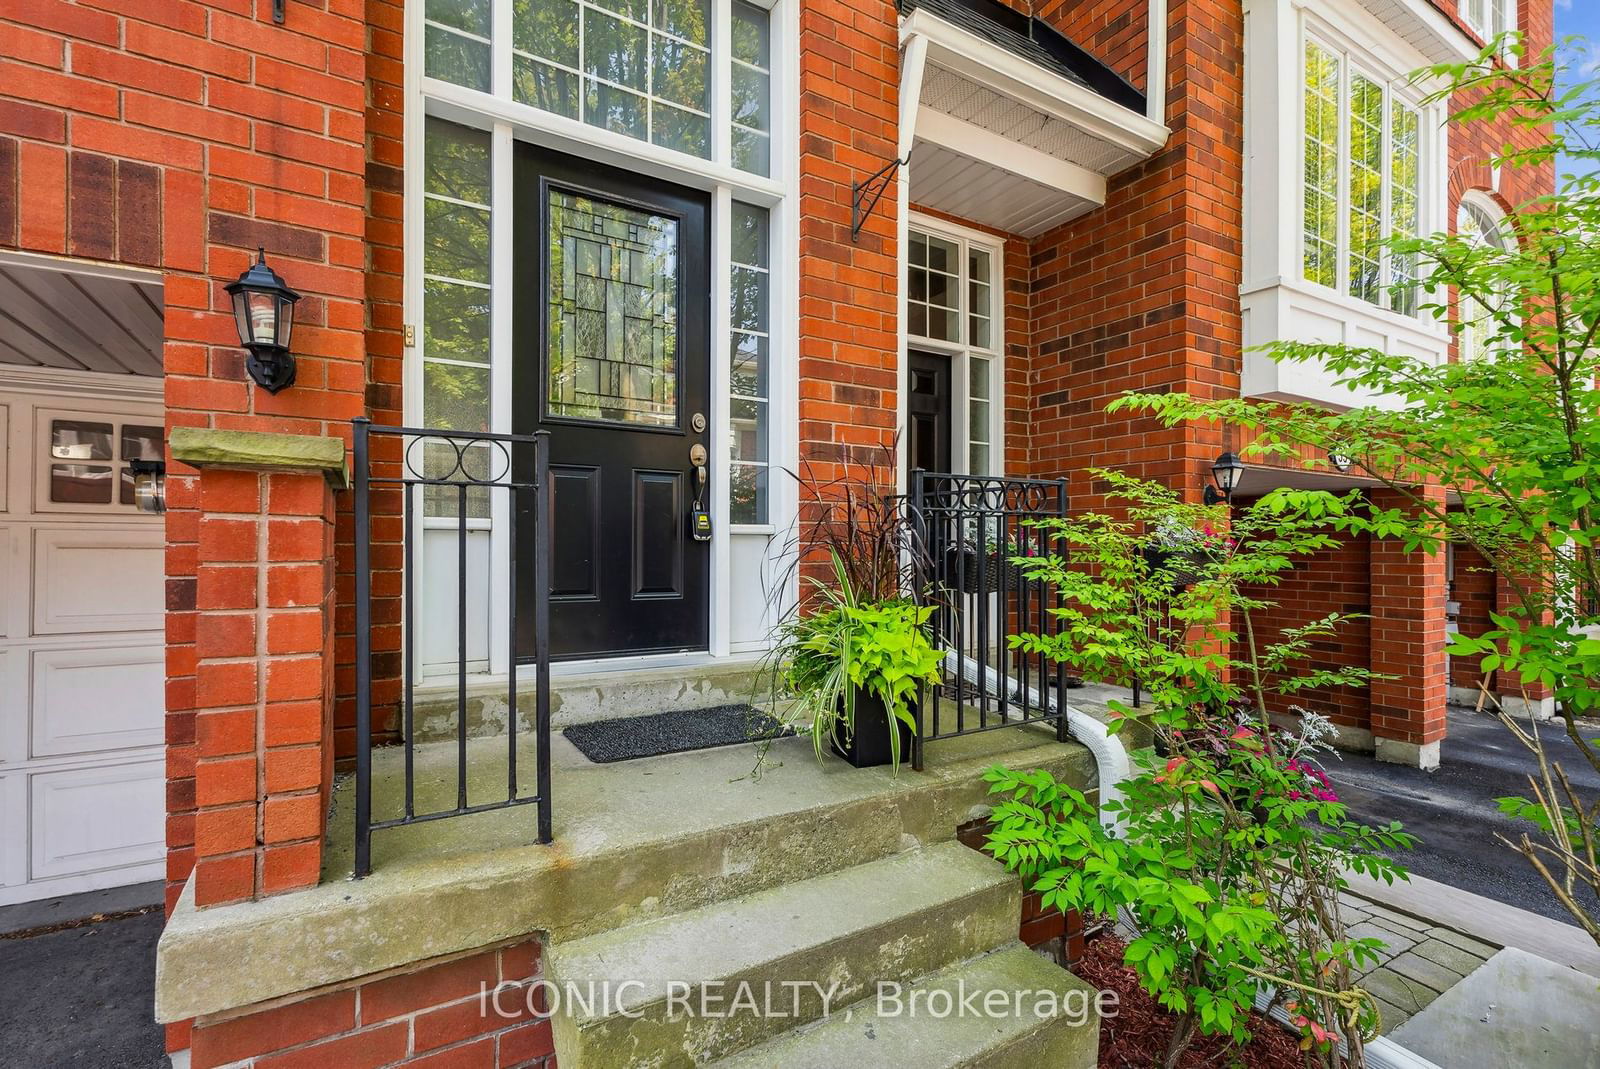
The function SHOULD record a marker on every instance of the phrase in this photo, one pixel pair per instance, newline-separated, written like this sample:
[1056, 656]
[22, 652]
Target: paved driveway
[80, 996]
[1452, 809]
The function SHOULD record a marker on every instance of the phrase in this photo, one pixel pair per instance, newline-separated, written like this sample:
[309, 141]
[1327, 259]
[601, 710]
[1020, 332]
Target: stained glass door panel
[613, 306]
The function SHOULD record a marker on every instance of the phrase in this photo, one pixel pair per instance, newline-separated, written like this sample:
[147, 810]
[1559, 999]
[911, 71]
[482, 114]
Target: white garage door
[81, 647]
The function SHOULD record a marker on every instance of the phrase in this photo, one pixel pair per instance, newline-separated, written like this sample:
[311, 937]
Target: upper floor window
[1479, 222]
[1490, 18]
[1361, 181]
[640, 68]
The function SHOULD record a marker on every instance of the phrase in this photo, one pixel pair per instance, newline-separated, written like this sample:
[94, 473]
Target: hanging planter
[1185, 566]
[965, 568]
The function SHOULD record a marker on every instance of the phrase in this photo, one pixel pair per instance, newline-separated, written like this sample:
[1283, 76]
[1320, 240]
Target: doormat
[632, 737]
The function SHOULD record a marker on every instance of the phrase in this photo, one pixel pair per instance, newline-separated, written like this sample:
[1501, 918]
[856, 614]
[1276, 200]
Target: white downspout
[1110, 756]
[1155, 83]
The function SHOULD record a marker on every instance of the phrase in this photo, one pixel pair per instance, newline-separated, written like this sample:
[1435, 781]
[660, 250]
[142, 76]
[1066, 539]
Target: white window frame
[1351, 63]
[508, 121]
[1494, 18]
[1471, 345]
[962, 351]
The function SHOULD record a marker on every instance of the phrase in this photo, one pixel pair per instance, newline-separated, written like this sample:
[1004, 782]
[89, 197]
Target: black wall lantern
[1342, 461]
[263, 310]
[1225, 473]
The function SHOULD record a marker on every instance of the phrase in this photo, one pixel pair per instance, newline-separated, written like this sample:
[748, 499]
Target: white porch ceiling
[976, 189]
[948, 92]
[1425, 28]
[999, 140]
[83, 320]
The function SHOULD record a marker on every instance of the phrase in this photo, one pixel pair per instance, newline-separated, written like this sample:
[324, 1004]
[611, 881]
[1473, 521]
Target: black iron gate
[450, 475]
[974, 535]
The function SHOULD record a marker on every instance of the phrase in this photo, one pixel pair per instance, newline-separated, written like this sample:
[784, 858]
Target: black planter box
[868, 747]
[961, 569]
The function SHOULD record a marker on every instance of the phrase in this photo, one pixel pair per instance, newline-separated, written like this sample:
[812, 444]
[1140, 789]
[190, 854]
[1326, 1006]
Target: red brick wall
[427, 1018]
[1474, 588]
[385, 343]
[1116, 32]
[849, 128]
[1143, 294]
[1333, 580]
[180, 135]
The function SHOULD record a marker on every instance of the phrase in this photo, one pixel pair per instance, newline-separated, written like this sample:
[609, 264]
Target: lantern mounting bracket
[864, 196]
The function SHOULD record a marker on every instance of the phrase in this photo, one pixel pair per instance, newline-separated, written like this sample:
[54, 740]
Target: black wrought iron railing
[974, 536]
[451, 476]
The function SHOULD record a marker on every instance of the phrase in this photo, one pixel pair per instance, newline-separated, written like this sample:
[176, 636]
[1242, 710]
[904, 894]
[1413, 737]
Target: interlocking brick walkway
[1421, 960]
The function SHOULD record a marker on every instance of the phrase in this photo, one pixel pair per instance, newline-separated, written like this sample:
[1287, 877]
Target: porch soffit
[1425, 28]
[1000, 140]
[79, 320]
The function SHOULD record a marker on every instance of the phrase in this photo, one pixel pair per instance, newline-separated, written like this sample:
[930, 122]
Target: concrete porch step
[922, 1036]
[889, 920]
[579, 696]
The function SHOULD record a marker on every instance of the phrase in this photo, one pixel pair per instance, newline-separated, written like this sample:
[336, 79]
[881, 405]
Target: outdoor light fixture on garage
[149, 485]
[1225, 472]
[263, 310]
[1342, 461]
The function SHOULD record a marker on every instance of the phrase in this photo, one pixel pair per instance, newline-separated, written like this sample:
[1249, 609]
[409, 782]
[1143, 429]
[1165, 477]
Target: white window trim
[1354, 60]
[1276, 301]
[1486, 29]
[508, 121]
[961, 352]
[1475, 198]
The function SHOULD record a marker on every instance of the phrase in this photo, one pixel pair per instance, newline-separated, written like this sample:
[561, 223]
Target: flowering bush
[1227, 849]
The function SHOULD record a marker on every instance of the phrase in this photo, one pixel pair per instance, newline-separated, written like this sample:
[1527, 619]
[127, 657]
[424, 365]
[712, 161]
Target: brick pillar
[1516, 697]
[264, 659]
[1408, 640]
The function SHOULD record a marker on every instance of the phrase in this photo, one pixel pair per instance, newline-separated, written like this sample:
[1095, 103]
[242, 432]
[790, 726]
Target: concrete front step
[582, 696]
[789, 952]
[1048, 1019]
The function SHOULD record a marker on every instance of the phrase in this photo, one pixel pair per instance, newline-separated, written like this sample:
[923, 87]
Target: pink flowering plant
[1226, 850]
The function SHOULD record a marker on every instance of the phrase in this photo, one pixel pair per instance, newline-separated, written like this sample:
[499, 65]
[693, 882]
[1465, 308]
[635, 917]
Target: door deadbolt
[698, 422]
[697, 455]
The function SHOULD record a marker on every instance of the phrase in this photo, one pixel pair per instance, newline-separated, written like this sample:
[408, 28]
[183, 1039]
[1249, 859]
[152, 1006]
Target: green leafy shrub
[1227, 848]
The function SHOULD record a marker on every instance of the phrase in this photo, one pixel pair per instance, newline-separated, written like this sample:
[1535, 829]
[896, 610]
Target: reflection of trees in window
[635, 67]
[1322, 166]
[749, 352]
[456, 42]
[1373, 186]
[456, 292]
[1483, 228]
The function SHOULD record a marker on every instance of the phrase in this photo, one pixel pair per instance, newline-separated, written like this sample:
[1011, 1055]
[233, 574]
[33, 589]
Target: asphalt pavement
[1452, 810]
[80, 996]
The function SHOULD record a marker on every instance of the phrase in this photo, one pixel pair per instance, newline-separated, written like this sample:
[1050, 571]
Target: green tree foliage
[1227, 848]
[1512, 433]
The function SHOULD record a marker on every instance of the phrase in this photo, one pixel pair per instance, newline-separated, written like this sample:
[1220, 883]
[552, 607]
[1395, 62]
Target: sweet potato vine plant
[1226, 850]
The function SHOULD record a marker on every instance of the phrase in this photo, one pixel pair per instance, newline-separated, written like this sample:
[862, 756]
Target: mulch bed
[1136, 1038]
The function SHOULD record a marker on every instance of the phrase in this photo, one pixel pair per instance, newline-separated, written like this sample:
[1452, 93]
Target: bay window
[1361, 181]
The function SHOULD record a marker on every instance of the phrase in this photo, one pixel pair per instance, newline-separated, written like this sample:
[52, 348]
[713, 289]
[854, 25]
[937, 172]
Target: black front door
[612, 358]
[927, 412]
